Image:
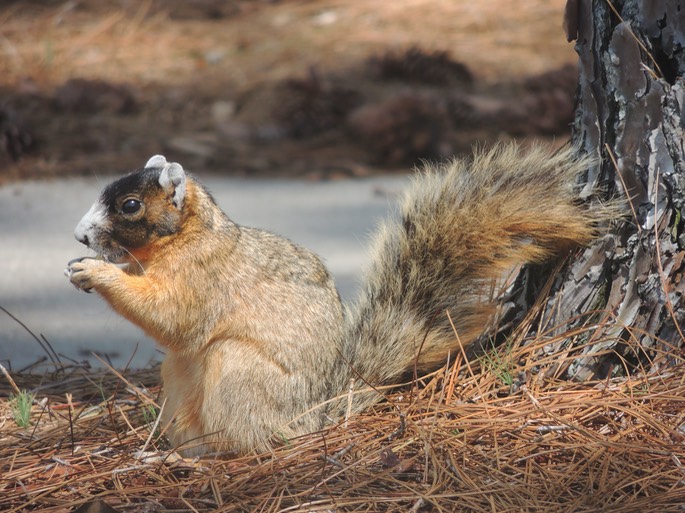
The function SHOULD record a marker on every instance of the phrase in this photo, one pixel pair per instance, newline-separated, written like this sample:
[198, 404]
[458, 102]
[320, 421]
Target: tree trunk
[624, 295]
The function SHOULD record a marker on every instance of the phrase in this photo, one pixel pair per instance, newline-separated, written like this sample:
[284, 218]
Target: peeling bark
[627, 289]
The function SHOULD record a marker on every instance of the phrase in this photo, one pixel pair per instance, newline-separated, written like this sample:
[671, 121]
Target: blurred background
[304, 116]
[318, 88]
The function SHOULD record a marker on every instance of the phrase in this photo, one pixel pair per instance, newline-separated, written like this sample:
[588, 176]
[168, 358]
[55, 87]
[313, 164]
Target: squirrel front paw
[82, 271]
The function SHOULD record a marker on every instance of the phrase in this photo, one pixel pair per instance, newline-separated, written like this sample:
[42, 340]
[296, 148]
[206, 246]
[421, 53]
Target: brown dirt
[266, 88]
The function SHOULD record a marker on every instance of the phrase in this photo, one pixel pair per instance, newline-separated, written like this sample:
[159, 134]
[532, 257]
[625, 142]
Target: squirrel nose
[81, 234]
[89, 224]
[82, 238]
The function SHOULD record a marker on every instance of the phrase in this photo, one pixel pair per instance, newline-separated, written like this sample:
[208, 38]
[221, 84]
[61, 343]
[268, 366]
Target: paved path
[37, 219]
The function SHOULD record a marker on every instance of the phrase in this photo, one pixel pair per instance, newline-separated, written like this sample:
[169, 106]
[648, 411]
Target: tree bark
[624, 295]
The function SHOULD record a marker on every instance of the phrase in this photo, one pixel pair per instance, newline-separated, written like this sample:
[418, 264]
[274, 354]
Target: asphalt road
[37, 219]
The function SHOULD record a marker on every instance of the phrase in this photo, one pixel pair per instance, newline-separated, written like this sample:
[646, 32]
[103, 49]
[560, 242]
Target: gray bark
[624, 295]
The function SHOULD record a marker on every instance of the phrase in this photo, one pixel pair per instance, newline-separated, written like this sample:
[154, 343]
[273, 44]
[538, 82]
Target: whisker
[142, 269]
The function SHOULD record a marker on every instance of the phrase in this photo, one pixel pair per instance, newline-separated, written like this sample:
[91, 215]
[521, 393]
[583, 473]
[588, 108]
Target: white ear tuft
[156, 161]
[173, 178]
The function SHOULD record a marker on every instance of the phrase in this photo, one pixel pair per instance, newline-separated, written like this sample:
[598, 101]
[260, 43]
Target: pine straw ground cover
[498, 434]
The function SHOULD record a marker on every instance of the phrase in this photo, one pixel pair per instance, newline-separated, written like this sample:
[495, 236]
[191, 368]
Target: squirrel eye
[130, 206]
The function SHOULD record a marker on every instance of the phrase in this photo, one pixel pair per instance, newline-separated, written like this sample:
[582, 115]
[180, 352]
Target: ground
[301, 88]
[275, 88]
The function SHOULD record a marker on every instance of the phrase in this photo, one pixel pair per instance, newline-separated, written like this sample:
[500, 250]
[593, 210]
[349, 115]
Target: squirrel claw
[77, 274]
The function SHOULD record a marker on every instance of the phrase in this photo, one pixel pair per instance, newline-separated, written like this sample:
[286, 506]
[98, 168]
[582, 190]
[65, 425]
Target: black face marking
[139, 182]
[139, 209]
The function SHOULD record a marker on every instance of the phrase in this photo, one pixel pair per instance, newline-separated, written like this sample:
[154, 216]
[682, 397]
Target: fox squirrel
[258, 344]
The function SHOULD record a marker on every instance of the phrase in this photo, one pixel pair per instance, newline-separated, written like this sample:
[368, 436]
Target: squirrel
[259, 346]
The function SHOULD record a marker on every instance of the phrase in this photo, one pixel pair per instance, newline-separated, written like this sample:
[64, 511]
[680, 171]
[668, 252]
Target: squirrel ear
[173, 179]
[156, 161]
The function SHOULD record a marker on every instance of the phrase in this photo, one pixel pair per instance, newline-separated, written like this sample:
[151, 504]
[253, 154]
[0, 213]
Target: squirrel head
[135, 212]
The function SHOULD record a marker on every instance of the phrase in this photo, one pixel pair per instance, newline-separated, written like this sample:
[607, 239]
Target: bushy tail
[461, 226]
